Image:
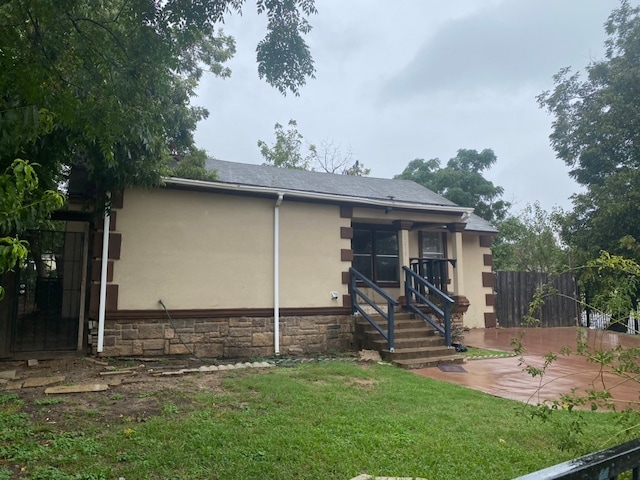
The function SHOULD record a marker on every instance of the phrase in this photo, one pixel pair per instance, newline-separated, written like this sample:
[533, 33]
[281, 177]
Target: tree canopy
[108, 84]
[596, 132]
[288, 152]
[462, 181]
[529, 241]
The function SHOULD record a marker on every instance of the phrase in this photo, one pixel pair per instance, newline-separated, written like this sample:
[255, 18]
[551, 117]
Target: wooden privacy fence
[515, 291]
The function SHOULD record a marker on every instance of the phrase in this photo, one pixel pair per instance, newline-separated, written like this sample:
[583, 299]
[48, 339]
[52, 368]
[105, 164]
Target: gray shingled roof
[328, 183]
[479, 224]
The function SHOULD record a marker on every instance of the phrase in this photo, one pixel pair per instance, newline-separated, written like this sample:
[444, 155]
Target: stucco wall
[310, 245]
[200, 250]
[473, 289]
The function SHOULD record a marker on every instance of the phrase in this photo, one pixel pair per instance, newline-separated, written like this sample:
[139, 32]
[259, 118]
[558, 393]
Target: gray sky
[417, 79]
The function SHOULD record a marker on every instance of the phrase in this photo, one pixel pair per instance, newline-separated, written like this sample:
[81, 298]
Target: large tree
[462, 181]
[108, 84]
[106, 87]
[596, 132]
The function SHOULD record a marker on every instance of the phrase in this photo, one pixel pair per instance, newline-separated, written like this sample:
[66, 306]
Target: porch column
[403, 248]
[458, 272]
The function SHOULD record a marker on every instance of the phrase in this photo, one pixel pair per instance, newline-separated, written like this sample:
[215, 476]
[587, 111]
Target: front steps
[417, 344]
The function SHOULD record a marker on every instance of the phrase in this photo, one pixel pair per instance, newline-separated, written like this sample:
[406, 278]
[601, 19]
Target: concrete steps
[417, 344]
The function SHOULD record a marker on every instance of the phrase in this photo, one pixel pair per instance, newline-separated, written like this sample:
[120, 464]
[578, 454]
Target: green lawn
[473, 353]
[331, 420]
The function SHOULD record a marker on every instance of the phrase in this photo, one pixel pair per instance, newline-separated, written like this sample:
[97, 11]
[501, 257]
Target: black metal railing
[434, 270]
[603, 465]
[417, 291]
[357, 294]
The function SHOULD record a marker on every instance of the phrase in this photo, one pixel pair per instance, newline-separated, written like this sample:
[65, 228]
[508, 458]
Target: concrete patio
[504, 377]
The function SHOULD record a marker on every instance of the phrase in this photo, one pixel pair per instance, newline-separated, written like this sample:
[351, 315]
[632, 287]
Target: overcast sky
[417, 79]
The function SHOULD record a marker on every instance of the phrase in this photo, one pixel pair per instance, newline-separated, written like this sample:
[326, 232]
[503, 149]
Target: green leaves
[529, 241]
[22, 205]
[286, 152]
[108, 85]
[284, 59]
[462, 182]
[193, 166]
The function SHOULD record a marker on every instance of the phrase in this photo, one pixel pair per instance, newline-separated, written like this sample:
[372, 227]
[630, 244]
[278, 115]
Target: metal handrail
[356, 292]
[603, 465]
[412, 280]
[434, 270]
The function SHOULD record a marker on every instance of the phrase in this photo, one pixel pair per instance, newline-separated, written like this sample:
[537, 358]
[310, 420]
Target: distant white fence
[600, 321]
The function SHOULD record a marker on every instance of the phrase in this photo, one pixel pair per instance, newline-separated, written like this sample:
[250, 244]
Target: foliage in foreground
[107, 85]
[333, 420]
[616, 280]
[22, 205]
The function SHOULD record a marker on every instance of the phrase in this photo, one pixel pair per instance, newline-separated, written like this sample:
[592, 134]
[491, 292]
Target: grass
[332, 420]
[473, 353]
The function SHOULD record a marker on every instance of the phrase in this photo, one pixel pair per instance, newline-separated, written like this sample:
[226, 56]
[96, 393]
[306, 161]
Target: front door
[47, 293]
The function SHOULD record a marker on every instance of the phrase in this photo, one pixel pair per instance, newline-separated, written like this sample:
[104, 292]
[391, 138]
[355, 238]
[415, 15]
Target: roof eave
[238, 187]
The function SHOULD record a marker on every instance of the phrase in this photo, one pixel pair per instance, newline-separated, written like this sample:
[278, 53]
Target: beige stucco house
[260, 245]
[257, 262]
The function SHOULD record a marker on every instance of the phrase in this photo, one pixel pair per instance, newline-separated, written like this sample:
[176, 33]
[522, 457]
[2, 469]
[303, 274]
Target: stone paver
[92, 387]
[369, 356]
[8, 374]
[117, 372]
[33, 382]
[504, 377]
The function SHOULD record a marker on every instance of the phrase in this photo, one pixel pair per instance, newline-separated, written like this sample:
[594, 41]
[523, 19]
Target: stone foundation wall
[234, 337]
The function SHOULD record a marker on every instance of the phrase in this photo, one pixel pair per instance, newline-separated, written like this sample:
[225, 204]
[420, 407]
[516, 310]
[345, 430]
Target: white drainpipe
[276, 274]
[103, 275]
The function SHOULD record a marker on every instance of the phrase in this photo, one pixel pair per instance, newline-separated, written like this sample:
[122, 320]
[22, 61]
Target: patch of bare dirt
[137, 390]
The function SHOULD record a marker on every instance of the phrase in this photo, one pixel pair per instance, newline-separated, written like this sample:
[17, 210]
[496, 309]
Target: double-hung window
[375, 253]
[432, 245]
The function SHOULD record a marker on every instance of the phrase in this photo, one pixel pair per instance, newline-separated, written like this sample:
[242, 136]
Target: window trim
[443, 239]
[372, 228]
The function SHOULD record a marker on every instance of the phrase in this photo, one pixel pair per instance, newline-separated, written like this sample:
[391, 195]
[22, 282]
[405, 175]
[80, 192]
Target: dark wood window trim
[377, 228]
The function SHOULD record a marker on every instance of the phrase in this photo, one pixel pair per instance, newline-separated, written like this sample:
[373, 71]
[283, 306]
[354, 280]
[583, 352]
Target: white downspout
[276, 274]
[103, 274]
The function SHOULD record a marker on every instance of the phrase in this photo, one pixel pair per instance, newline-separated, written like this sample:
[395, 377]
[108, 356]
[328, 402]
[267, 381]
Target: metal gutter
[237, 187]
[103, 274]
[276, 274]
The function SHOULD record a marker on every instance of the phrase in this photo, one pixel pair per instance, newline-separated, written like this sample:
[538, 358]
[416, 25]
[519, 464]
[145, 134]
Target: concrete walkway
[504, 377]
